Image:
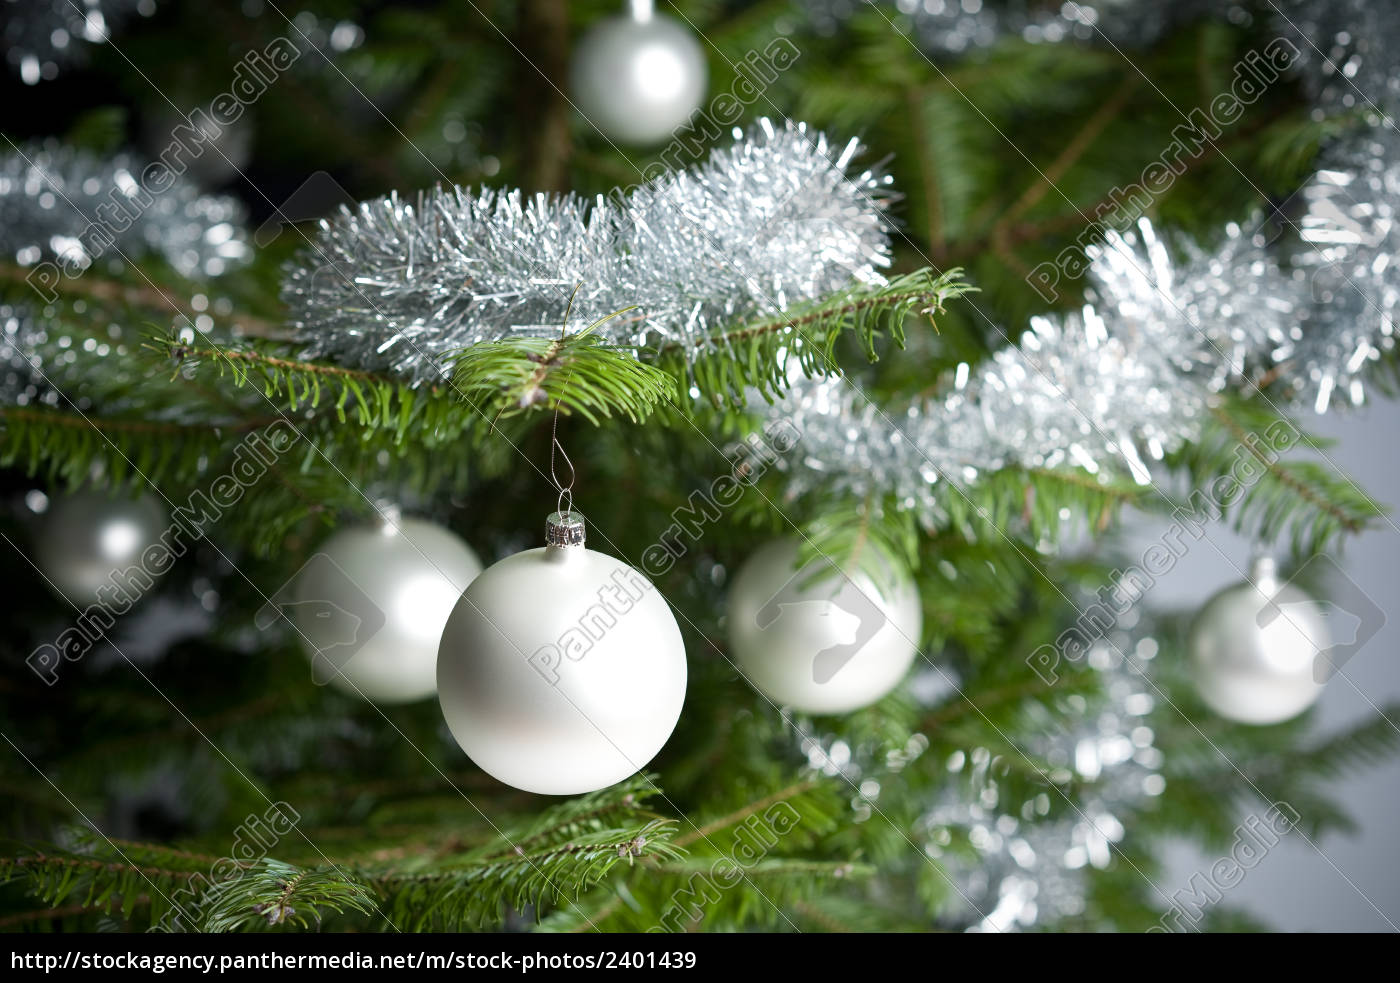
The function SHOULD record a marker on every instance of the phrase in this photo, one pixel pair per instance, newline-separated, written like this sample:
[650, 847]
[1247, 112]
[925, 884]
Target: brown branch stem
[739, 815]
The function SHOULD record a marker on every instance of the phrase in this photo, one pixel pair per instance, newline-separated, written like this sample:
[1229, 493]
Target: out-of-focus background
[1341, 883]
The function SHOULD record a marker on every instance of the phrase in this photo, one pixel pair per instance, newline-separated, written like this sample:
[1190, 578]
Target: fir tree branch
[577, 373]
[79, 421]
[93, 286]
[587, 811]
[751, 809]
[66, 446]
[1050, 175]
[772, 869]
[1312, 504]
[374, 402]
[933, 195]
[1351, 523]
[927, 298]
[465, 892]
[181, 353]
[275, 894]
[754, 354]
[45, 863]
[630, 846]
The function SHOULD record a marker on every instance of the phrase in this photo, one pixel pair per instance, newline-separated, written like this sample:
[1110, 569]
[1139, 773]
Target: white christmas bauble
[222, 150]
[636, 78]
[561, 670]
[1255, 649]
[818, 640]
[369, 607]
[90, 540]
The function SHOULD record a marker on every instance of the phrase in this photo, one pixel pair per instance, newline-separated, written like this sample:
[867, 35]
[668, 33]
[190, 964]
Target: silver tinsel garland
[1126, 380]
[955, 27]
[1070, 395]
[776, 219]
[1351, 292]
[1347, 54]
[72, 208]
[1348, 50]
[1308, 296]
[1019, 861]
[1031, 854]
[44, 36]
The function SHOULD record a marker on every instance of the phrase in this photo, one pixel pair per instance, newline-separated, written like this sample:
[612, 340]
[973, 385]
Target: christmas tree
[587, 467]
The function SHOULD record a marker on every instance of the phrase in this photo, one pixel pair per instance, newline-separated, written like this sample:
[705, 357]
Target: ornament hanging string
[566, 492]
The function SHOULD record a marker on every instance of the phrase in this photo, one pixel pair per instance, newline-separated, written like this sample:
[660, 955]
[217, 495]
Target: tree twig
[544, 43]
[739, 815]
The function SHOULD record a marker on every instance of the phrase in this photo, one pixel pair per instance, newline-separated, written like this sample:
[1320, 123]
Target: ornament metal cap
[564, 529]
[1263, 573]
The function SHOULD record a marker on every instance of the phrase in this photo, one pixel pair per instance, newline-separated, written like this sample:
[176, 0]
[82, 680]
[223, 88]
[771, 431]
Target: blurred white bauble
[816, 639]
[370, 607]
[638, 77]
[89, 540]
[218, 152]
[1255, 649]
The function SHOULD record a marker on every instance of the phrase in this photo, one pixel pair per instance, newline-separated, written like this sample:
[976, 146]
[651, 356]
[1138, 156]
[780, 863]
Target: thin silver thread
[566, 492]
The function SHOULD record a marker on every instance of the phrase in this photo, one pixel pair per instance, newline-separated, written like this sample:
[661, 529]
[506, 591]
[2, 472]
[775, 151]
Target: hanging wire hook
[566, 492]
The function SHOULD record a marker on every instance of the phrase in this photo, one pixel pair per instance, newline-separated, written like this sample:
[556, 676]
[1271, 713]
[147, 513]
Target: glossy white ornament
[561, 670]
[90, 540]
[1255, 647]
[638, 77]
[817, 640]
[370, 606]
[226, 149]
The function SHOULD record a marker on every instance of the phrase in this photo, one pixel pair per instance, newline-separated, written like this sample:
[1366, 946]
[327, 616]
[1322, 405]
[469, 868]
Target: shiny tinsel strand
[73, 209]
[1348, 56]
[778, 218]
[1018, 859]
[44, 364]
[1307, 298]
[1347, 271]
[1071, 394]
[44, 36]
[1031, 852]
[955, 27]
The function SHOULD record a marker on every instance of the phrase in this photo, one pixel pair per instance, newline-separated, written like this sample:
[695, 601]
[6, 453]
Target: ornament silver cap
[564, 529]
[388, 516]
[1263, 573]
